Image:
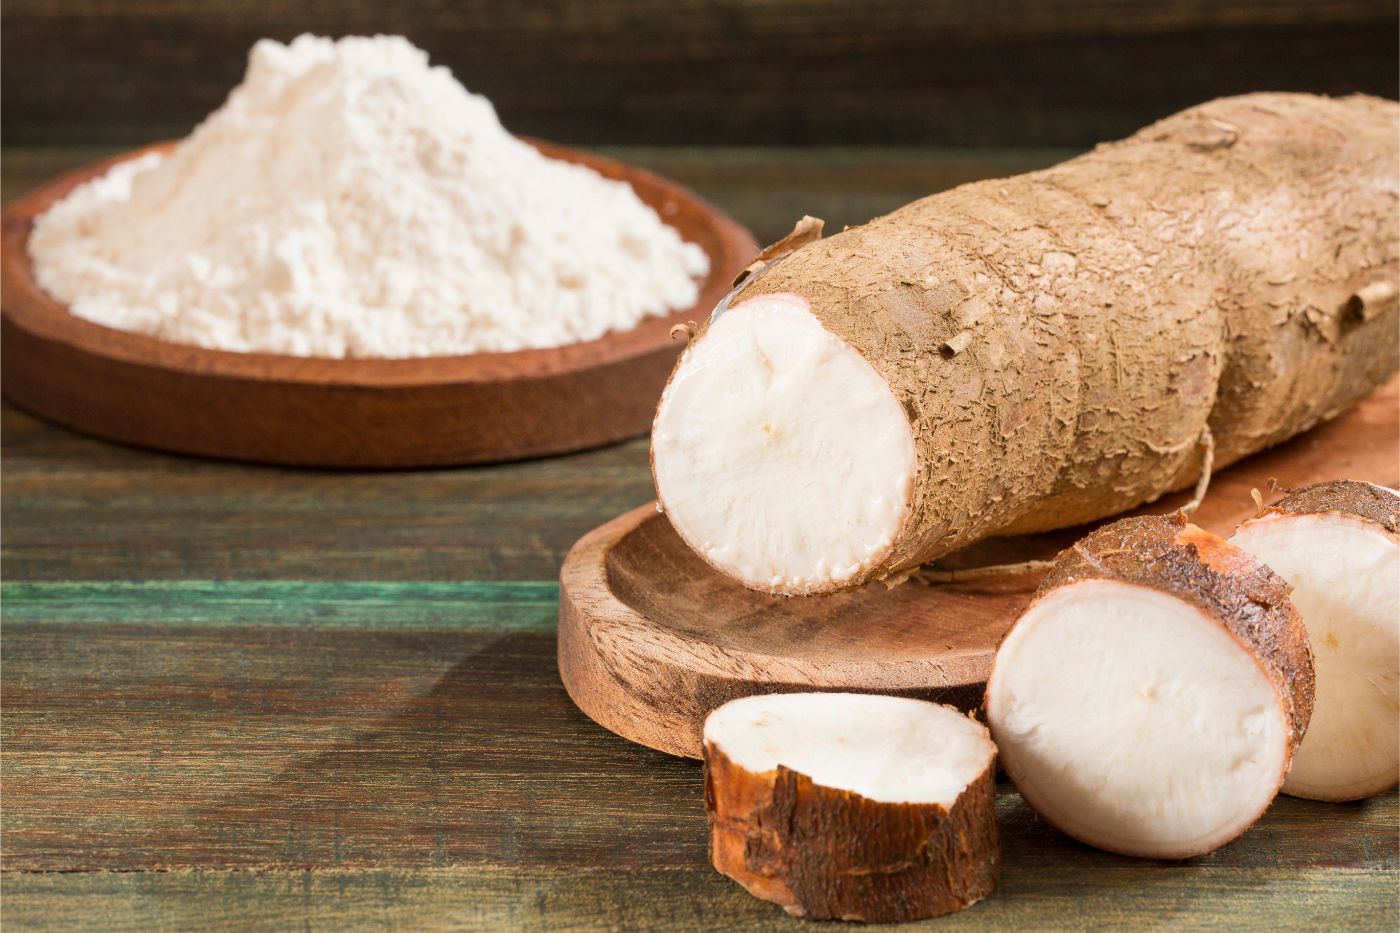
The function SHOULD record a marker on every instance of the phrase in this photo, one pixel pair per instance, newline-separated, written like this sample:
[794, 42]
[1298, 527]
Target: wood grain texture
[397, 770]
[651, 638]
[133, 746]
[1060, 72]
[76, 508]
[349, 413]
[688, 900]
[498, 606]
[332, 703]
[164, 739]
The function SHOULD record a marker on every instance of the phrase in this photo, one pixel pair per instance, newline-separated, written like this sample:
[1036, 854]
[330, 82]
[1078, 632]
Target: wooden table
[237, 696]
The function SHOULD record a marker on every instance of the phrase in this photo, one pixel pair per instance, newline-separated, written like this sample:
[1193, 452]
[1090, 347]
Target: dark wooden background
[703, 72]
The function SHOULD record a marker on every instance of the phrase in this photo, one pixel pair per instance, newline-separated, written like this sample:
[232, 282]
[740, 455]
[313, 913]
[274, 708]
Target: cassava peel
[1034, 352]
[850, 806]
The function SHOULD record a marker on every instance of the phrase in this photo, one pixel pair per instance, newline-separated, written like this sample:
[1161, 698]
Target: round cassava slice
[1150, 699]
[852, 806]
[1338, 544]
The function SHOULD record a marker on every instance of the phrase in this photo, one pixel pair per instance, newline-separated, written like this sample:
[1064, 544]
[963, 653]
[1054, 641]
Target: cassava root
[1035, 352]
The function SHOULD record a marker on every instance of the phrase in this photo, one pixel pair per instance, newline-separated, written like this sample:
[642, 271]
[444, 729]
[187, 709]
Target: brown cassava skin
[1366, 501]
[1226, 583]
[830, 854]
[1233, 265]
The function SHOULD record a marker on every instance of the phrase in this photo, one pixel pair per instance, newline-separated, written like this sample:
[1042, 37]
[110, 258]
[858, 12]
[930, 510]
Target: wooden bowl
[359, 413]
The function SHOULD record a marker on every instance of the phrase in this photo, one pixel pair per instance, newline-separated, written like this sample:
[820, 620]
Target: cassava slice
[1033, 352]
[1338, 544]
[1150, 699]
[852, 806]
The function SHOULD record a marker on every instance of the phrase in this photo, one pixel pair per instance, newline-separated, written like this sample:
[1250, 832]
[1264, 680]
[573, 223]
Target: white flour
[349, 200]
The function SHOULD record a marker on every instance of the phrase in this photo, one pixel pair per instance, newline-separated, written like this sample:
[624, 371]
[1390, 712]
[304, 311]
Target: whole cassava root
[1338, 545]
[854, 807]
[1151, 698]
[1035, 352]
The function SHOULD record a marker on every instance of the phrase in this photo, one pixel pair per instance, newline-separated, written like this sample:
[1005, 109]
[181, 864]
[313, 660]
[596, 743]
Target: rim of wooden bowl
[728, 245]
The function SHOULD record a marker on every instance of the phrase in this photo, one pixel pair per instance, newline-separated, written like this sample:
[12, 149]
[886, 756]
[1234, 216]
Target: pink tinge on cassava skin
[1150, 700]
[1029, 353]
[1338, 545]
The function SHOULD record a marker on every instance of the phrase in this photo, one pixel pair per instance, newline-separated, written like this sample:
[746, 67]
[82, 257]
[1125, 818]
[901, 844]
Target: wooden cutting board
[651, 639]
[296, 411]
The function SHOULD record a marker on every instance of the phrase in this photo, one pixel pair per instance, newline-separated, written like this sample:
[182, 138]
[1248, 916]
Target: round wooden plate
[297, 411]
[651, 639]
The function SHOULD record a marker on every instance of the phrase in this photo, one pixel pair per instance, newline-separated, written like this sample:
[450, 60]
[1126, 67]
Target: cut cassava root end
[786, 458]
[1150, 699]
[852, 806]
[1338, 544]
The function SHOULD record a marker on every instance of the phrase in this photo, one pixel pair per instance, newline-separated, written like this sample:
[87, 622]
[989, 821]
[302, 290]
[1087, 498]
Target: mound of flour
[348, 200]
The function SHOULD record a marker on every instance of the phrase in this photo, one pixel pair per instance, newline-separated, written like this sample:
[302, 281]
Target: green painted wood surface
[501, 606]
[248, 697]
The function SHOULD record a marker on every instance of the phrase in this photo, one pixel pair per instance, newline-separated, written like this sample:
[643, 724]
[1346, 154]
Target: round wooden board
[651, 639]
[269, 408]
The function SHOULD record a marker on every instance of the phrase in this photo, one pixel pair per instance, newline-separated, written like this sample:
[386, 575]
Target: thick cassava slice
[1150, 699]
[1034, 352]
[850, 806]
[1338, 544]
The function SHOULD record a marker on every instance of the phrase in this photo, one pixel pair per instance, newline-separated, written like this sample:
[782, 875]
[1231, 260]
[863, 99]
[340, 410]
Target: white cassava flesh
[1345, 573]
[852, 806]
[1132, 705]
[1176, 736]
[888, 749]
[788, 458]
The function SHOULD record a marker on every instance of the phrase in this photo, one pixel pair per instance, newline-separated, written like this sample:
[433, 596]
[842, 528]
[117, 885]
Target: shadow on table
[495, 767]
